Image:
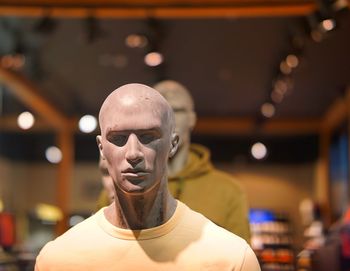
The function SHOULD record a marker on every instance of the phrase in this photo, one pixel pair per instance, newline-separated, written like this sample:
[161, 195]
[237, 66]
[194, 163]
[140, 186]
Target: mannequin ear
[192, 119]
[99, 145]
[174, 144]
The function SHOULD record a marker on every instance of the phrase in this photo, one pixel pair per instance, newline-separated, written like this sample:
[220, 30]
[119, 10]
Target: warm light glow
[153, 59]
[48, 212]
[87, 124]
[316, 36]
[281, 87]
[285, 69]
[1, 206]
[328, 24]
[292, 61]
[120, 61]
[25, 120]
[259, 151]
[53, 154]
[16, 61]
[136, 41]
[276, 97]
[268, 110]
[340, 4]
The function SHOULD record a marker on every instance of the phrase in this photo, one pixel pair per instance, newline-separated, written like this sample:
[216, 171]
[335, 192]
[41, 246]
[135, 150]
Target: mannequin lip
[134, 173]
[135, 170]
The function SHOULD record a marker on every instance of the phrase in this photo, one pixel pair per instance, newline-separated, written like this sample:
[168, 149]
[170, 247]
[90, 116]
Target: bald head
[182, 104]
[137, 138]
[176, 94]
[135, 98]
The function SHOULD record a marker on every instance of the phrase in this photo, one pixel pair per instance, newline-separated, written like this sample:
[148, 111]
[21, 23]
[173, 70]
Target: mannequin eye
[118, 139]
[147, 138]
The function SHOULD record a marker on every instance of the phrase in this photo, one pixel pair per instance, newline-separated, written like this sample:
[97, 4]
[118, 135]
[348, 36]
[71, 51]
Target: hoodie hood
[198, 163]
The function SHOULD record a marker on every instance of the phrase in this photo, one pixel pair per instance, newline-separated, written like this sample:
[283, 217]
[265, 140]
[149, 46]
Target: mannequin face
[182, 105]
[136, 139]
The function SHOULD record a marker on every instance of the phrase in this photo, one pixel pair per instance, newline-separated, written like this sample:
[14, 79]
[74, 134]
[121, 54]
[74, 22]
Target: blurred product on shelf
[7, 230]
[314, 237]
[7, 240]
[271, 240]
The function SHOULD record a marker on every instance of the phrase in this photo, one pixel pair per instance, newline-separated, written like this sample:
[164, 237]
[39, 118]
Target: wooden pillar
[26, 92]
[65, 142]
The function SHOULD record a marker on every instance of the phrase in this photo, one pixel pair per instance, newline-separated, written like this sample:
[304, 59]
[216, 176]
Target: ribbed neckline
[140, 234]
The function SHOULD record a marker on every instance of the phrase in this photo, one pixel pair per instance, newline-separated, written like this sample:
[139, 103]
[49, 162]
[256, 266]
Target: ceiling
[229, 65]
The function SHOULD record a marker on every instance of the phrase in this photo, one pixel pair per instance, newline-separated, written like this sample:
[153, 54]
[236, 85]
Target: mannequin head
[182, 104]
[137, 138]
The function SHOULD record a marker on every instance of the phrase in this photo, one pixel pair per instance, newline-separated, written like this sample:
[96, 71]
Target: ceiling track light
[46, 25]
[258, 151]
[136, 41]
[153, 59]
[321, 23]
[93, 29]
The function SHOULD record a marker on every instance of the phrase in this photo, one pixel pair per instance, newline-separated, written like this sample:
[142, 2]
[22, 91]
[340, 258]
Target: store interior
[270, 82]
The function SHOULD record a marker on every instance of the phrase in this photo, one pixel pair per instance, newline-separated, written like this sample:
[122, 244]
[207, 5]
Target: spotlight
[259, 151]
[281, 86]
[327, 25]
[340, 5]
[285, 68]
[276, 97]
[268, 110]
[321, 24]
[53, 155]
[153, 59]
[87, 124]
[292, 61]
[25, 120]
[136, 41]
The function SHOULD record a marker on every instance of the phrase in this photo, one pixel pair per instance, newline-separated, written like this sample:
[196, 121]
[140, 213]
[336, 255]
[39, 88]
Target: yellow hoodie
[211, 192]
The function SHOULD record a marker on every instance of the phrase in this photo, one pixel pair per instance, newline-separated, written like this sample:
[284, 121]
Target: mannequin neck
[143, 211]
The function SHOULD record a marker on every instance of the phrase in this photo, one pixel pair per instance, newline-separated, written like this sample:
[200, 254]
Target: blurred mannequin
[334, 254]
[107, 194]
[192, 177]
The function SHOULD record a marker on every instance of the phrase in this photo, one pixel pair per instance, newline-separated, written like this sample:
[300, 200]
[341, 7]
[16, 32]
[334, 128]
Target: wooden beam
[146, 3]
[204, 126]
[157, 9]
[335, 115]
[248, 126]
[29, 95]
[9, 124]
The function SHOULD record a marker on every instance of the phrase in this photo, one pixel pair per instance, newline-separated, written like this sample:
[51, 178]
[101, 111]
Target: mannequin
[145, 227]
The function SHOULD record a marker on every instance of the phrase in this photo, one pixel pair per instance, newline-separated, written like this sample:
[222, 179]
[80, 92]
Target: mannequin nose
[133, 154]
